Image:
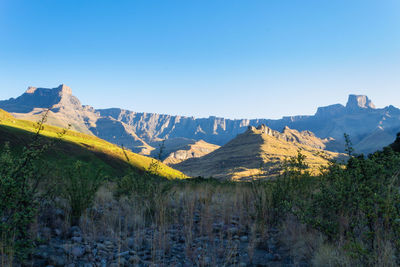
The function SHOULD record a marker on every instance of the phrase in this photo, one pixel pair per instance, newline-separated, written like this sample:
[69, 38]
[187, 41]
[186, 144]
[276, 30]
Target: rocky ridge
[258, 153]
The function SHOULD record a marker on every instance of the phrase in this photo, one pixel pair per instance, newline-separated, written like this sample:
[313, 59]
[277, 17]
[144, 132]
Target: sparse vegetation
[79, 187]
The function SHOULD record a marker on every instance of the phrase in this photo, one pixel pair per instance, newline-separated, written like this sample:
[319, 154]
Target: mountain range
[369, 128]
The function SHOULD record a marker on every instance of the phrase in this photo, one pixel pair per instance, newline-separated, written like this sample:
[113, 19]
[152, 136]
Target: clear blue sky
[236, 59]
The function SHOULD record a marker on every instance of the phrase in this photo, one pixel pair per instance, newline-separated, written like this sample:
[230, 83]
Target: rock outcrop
[359, 102]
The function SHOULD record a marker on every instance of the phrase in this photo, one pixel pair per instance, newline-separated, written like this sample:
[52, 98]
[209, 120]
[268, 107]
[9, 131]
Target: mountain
[67, 111]
[258, 152]
[193, 149]
[369, 128]
[74, 146]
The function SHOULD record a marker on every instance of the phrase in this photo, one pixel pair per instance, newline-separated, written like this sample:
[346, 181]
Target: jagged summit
[64, 89]
[354, 103]
[65, 109]
[61, 89]
[359, 101]
[290, 135]
[37, 97]
[262, 128]
[34, 97]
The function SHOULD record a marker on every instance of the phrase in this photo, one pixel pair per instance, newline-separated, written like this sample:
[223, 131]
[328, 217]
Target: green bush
[79, 186]
[359, 203]
[19, 179]
[277, 197]
[396, 144]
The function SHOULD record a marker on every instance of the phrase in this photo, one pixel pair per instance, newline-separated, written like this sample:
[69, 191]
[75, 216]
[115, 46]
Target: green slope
[74, 145]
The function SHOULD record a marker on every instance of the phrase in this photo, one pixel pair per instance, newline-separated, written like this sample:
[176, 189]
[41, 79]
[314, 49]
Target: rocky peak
[31, 90]
[37, 97]
[251, 128]
[64, 90]
[61, 90]
[263, 129]
[359, 102]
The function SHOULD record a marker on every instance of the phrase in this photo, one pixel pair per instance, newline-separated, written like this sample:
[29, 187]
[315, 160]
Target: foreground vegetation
[346, 216]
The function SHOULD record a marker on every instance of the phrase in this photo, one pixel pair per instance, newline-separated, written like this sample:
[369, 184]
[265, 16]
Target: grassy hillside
[258, 153]
[74, 145]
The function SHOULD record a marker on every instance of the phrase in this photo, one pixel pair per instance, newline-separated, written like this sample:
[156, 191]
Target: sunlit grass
[91, 143]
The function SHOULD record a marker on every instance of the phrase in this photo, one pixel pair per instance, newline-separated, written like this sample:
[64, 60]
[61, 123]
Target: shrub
[359, 203]
[275, 198]
[396, 144]
[80, 184]
[144, 188]
[19, 179]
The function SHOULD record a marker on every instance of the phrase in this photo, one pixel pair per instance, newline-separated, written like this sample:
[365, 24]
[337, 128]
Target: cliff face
[369, 128]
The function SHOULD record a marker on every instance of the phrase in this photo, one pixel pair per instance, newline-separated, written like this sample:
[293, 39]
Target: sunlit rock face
[359, 102]
[369, 128]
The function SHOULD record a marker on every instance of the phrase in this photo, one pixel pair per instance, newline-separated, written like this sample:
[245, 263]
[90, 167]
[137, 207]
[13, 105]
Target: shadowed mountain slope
[258, 153]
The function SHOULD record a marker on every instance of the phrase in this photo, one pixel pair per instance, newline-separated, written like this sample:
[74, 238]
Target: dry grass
[302, 241]
[191, 212]
[200, 215]
[328, 255]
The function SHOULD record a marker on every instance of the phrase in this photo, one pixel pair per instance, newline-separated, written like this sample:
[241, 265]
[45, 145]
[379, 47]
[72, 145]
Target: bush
[19, 179]
[276, 198]
[396, 145]
[359, 203]
[144, 188]
[80, 184]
